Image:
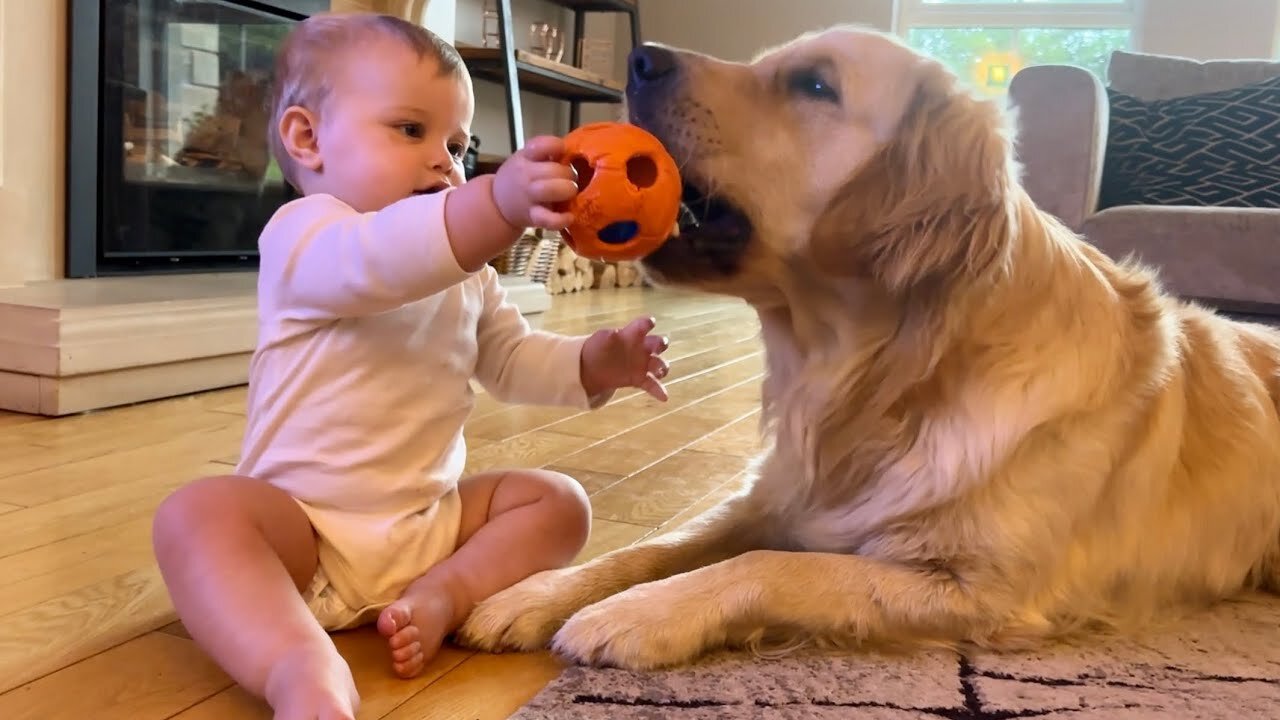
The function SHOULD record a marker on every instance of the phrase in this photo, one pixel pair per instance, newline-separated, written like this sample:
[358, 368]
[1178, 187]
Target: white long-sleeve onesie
[369, 334]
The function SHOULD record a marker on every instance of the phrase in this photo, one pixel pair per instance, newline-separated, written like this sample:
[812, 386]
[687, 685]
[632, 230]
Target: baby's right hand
[531, 182]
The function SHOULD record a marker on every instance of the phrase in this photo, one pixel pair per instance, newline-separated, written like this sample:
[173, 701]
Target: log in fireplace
[167, 162]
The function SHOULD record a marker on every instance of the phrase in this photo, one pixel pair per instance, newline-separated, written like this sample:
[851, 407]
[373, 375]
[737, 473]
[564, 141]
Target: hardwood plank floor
[87, 629]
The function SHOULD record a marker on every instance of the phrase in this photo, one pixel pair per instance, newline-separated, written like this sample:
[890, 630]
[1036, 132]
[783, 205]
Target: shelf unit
[517, 70]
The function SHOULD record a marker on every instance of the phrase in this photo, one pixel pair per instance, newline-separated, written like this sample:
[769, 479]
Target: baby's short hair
[303, 67]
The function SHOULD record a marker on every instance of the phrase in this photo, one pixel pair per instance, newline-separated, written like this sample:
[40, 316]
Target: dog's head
[840, 154]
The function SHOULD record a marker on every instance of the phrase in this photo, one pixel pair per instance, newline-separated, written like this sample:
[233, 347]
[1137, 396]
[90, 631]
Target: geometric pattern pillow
[1220, 149]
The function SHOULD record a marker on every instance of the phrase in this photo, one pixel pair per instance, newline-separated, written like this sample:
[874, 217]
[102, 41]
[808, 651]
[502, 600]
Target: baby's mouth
[432, 189]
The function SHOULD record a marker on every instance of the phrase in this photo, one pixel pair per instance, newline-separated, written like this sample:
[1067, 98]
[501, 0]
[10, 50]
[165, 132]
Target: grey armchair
[1226, 256]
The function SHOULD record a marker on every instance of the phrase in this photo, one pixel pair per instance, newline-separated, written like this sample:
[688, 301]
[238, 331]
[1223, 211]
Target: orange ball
[628, 191]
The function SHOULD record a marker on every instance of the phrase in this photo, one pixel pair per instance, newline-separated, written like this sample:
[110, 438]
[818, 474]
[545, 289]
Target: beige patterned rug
[1221, 664]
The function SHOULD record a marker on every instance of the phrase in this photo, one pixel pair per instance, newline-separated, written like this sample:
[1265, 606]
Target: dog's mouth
[710, 237]
[708, 214]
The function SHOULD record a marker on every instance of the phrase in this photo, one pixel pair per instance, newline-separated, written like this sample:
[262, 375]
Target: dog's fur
[978, 428]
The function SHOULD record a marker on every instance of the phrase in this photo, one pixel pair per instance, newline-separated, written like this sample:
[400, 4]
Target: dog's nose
[651, 64]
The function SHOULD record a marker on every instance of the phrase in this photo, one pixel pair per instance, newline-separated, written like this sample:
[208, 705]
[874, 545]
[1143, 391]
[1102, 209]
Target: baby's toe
[407, 653]
[407, 636]
[394, 618]
[409, 668]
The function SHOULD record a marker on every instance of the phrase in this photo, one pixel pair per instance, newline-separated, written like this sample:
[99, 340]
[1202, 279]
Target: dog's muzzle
[653, 73]
[713, 233]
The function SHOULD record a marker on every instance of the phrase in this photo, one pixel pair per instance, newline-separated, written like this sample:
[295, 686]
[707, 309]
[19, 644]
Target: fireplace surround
[167, 162]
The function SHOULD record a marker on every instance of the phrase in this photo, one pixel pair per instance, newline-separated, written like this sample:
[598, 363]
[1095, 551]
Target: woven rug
[1224, 663]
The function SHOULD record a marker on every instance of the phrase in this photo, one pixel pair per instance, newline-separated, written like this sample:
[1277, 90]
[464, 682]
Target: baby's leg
[234, 553]
[514, 524]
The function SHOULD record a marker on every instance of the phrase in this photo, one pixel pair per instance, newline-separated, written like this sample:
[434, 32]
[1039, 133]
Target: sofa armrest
[1062, 114]
[1226, 255]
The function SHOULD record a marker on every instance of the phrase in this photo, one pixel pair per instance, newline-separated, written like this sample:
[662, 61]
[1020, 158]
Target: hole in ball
[619, 232]
[582, 167]
[642, 171]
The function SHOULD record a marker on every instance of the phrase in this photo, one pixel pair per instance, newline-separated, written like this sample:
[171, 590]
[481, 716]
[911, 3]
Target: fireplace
[167, 162]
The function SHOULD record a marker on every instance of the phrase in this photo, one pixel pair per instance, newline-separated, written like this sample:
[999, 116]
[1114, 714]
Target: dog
[978, 430]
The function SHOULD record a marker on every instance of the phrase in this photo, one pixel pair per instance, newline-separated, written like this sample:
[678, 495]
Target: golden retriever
[978, 429]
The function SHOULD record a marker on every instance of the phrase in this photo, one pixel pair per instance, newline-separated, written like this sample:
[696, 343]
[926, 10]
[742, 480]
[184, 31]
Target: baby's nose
[439, 159]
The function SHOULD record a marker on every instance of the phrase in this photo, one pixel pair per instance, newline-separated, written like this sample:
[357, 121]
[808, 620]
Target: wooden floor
[87, 630]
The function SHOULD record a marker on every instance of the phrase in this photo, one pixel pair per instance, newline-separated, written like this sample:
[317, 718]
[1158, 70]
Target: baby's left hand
[613, 359]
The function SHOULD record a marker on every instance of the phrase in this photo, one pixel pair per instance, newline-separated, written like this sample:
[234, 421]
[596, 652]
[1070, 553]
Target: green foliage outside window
[964, 49]
[1023, 2]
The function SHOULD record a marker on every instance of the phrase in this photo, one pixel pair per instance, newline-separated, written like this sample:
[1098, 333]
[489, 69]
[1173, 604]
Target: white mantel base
[67, 346]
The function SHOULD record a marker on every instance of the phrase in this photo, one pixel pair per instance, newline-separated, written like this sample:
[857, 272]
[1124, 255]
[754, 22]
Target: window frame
[913, 14]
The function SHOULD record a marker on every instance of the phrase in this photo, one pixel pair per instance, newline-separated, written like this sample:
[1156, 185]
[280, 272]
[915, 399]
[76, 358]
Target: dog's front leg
[786, 595]
[524, 616]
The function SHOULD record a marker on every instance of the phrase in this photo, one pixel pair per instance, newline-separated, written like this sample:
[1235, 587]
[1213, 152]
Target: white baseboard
[68, 346]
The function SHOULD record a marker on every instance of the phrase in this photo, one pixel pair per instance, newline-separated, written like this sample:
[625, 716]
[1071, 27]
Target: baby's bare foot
[415, 626]
[312, 683]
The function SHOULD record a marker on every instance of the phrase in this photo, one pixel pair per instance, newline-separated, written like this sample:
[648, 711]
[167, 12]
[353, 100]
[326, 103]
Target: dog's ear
[934, 202]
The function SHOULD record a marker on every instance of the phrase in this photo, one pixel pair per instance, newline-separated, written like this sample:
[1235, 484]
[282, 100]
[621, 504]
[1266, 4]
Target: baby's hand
[531, 182]
[629, 357]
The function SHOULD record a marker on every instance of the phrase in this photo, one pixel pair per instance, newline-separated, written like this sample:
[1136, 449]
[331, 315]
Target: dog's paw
[524, 616]
[643, 628]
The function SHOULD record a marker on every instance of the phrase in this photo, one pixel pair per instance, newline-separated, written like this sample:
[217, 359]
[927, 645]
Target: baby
[376, 308]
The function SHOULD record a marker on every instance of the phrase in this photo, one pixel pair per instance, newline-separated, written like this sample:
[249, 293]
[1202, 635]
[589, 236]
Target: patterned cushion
[1220, 148]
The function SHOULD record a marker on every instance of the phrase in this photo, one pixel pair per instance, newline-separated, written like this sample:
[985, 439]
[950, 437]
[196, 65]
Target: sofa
[1173, 160]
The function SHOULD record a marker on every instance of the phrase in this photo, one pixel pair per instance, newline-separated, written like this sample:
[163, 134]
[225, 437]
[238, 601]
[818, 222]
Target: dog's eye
[810, 83]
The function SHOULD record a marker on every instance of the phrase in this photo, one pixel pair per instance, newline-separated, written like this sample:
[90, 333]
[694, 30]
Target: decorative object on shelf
[595, 55]
[546, 40]
[490, 26]
[629, 191]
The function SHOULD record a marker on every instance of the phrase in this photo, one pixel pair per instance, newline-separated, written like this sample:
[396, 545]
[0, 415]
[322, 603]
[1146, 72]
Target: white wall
[440, 17]
[33, 70]
[1208, 29]
[738, 29]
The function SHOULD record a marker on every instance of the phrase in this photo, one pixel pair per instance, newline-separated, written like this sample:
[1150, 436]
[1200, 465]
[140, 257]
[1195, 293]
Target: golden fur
[979, 429]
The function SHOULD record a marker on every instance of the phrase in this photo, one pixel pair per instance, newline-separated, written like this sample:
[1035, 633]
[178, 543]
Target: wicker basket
[543, 259]
[516, 258]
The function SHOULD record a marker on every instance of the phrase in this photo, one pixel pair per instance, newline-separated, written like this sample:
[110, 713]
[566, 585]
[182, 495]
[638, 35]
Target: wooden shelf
[519, 71]
[542, 76]
[597, 5]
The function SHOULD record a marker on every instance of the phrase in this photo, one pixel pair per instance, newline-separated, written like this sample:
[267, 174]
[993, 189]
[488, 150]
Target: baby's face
[392, 126]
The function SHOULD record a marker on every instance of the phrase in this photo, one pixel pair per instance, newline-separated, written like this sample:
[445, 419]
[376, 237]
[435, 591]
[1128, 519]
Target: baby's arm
[477, 230]
[519, 364]
[323, 260]
[320, 259]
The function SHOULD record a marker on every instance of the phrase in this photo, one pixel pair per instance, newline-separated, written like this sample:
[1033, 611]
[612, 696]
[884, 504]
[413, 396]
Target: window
[987, 41]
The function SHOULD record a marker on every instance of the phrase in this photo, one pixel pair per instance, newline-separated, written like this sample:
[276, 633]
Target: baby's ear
[298, 136]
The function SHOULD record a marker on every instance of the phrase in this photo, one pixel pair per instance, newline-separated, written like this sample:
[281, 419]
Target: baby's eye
[413, 130]
[457, 149]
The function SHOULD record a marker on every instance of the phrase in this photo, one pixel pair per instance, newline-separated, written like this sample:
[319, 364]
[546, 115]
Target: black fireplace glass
[168, 163]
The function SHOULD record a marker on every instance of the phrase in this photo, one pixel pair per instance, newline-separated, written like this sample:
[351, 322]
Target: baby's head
[369, 108]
